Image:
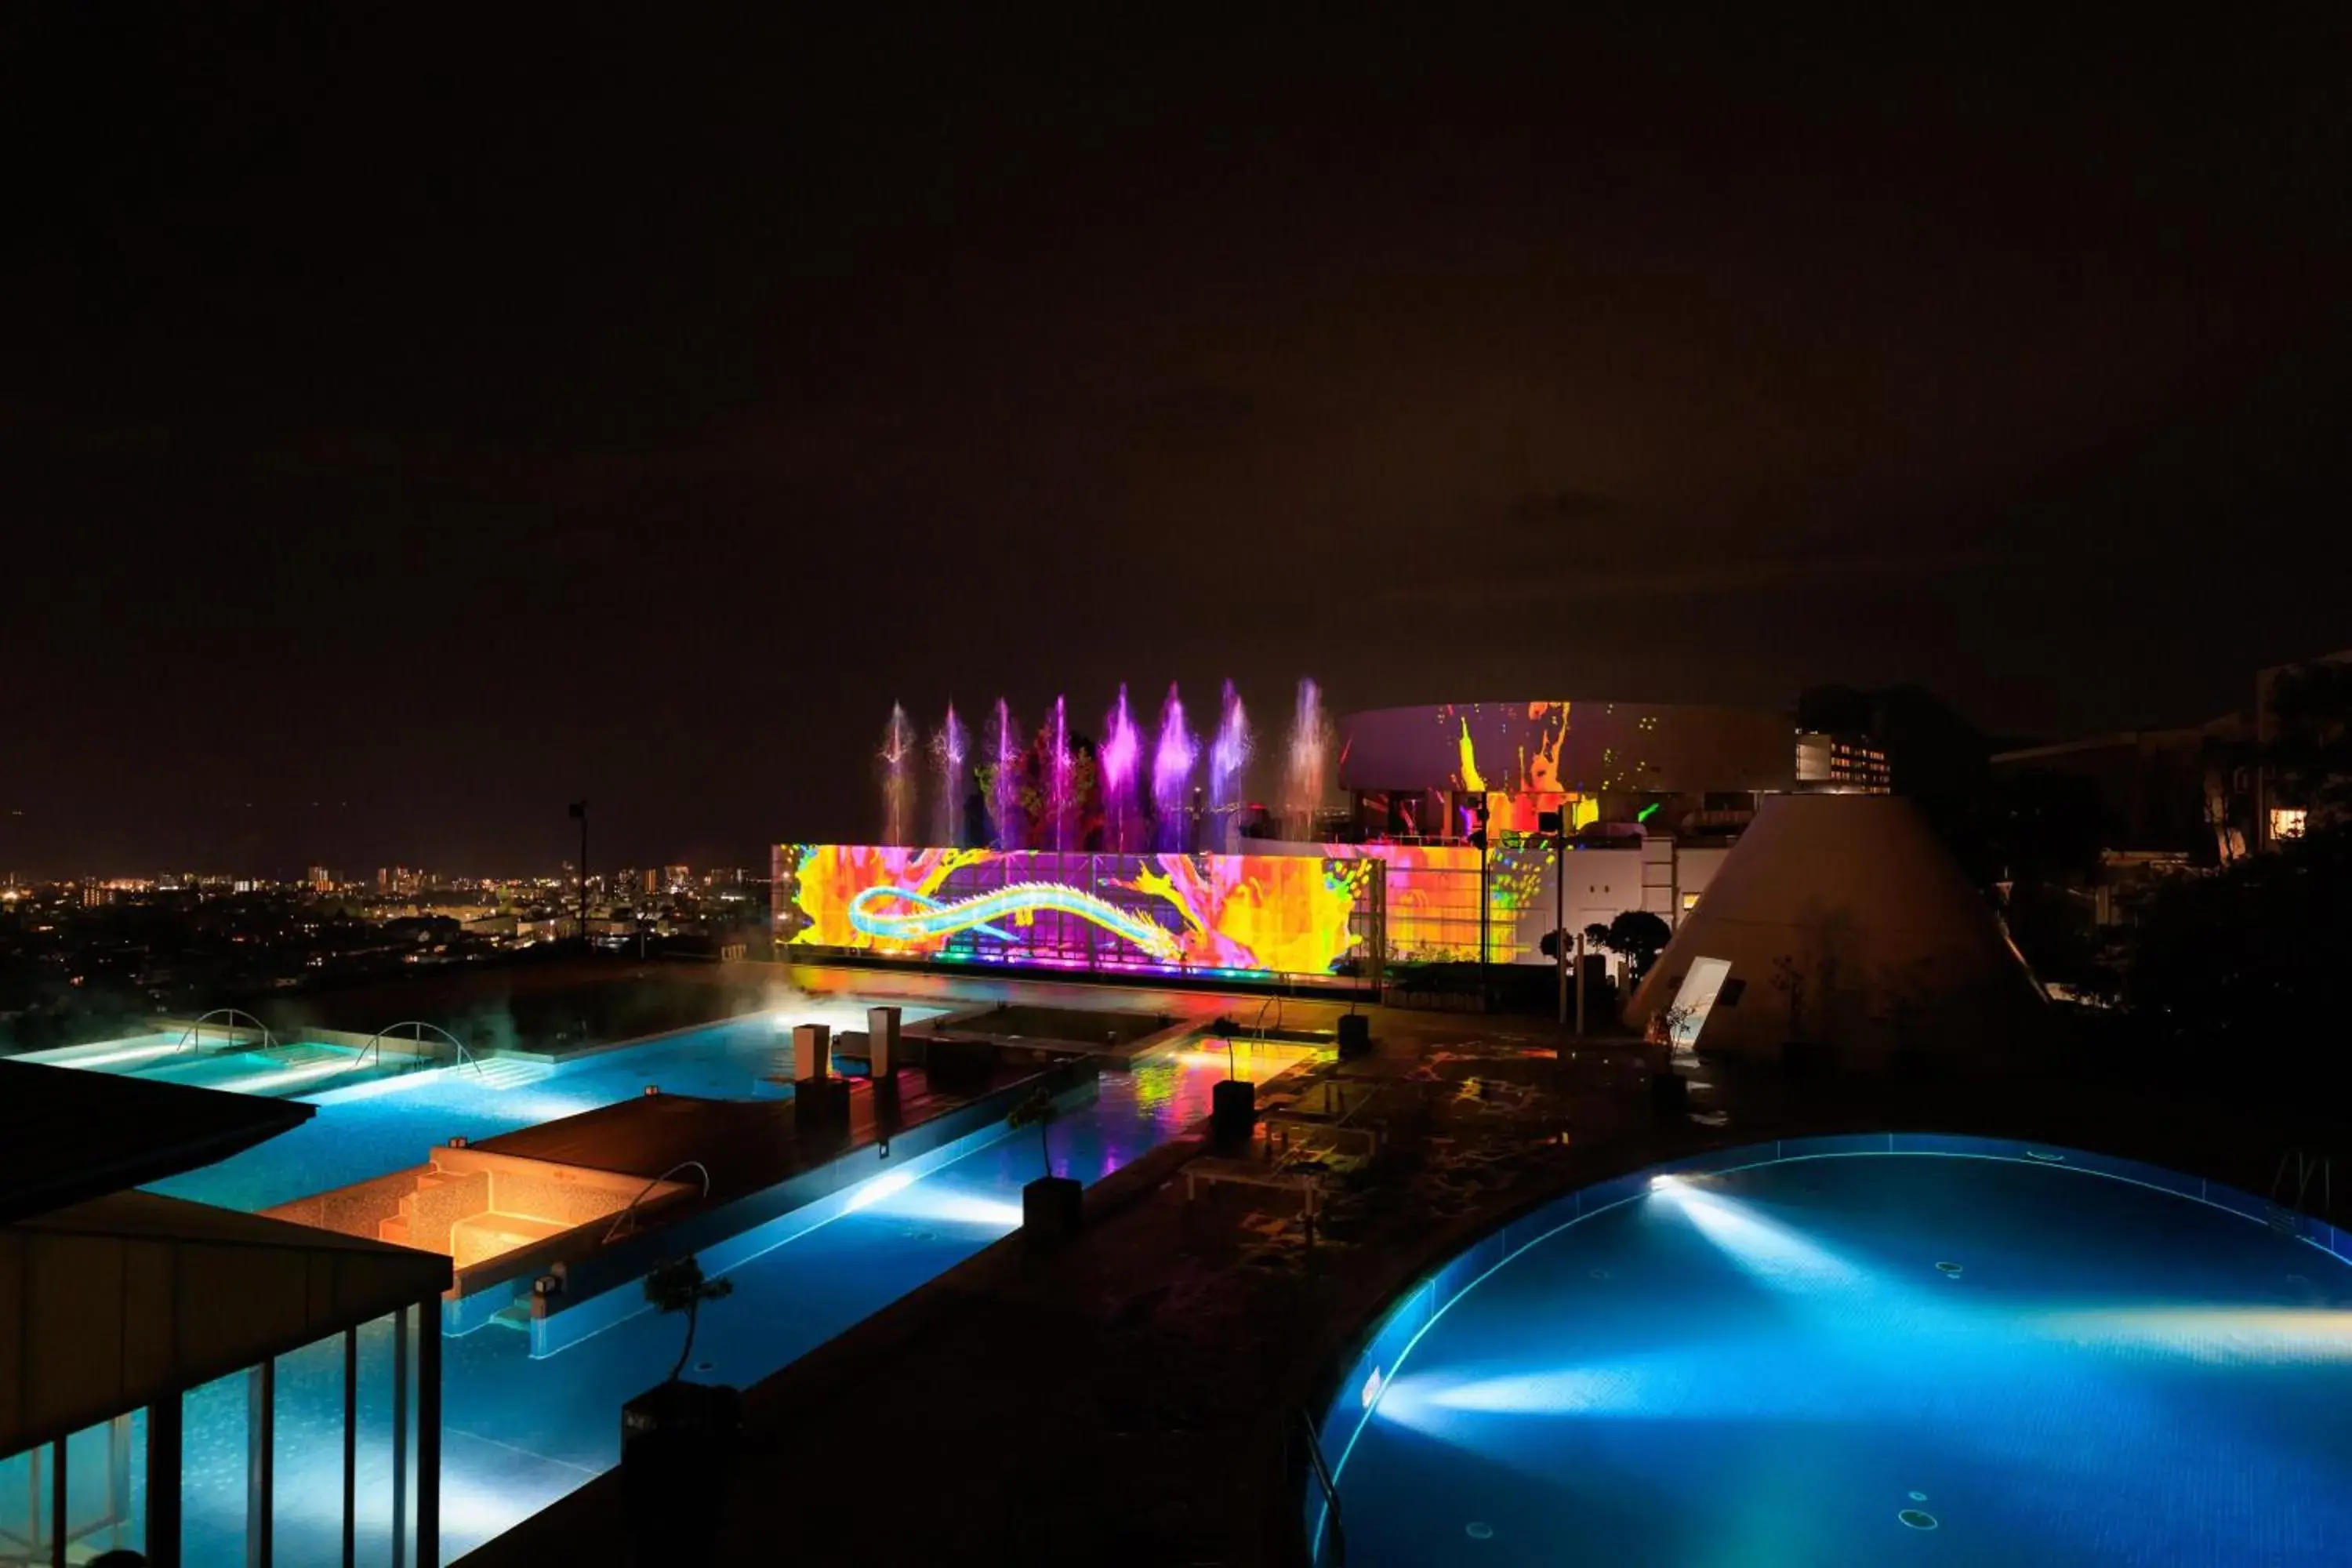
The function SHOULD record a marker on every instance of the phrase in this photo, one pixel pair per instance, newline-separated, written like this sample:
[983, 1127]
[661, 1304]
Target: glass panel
[216, 1459]
[106, 1486]
[25, 1507]
[307, 1491]
[412, 1323]
[385, 1473]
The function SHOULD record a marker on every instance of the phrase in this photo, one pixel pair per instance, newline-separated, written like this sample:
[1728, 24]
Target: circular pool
[1864, 1357]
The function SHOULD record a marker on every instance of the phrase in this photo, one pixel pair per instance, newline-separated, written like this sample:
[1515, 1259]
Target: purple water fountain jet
[1229, 754]
[949, 748]
[1171, 774]
[1012, 833]
[1120, 759]
[1061, 775]
[898, 778]
[1307, 770]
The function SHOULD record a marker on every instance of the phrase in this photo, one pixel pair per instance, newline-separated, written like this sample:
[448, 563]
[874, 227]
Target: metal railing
[417, 1027]
[2305, 1167]
[627, 1216]
[194, 1037]
[1330, 1485]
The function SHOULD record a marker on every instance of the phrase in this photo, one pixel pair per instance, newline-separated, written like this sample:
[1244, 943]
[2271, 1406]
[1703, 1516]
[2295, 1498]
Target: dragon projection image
[1270, 914]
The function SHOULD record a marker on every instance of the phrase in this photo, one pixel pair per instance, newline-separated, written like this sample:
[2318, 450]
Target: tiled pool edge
[1385, 1346]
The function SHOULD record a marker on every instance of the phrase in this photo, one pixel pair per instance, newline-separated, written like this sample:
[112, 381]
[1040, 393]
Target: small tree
[1039, 1112]
[1638, 937]
[678, 1286]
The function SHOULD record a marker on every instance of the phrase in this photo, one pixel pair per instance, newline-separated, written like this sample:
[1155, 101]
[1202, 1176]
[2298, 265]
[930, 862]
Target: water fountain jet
[1119, 759]
[897, 779]
[1171, 775]
[950, 748]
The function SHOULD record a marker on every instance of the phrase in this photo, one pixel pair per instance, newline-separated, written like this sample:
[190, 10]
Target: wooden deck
[746, 1144]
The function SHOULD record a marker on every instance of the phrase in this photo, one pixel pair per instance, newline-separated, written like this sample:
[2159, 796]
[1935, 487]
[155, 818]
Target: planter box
[821, 1105]
[1355, 1037]
[1669, 1092]
[1233, 1111]
[1052, 1210]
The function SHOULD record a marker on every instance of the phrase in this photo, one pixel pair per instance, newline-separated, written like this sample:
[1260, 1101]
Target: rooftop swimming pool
[1891, 1350]
[387, 1123]
[520, 1433]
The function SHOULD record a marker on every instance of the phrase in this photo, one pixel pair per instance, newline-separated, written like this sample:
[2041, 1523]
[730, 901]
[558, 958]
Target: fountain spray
[1171, 774]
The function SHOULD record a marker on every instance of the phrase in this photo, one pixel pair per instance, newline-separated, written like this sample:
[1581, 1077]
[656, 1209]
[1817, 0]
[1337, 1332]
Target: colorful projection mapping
[1238, 914]
[1220, 914]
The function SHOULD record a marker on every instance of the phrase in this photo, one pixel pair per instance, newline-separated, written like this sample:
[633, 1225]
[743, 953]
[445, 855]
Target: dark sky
[437, 423]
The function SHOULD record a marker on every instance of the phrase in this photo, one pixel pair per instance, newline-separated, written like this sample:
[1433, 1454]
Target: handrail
[1321, 1470]
[613, 1233]
[419, 1026]
[195, 1031]
[2306, 1166]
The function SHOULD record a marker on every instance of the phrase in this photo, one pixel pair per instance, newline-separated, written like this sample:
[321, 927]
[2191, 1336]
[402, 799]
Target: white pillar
[811, 1051]
[881, 1039]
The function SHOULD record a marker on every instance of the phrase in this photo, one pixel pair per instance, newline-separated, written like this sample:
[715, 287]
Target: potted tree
[1050, 1205]
[1669, 1090]
[675, 1437]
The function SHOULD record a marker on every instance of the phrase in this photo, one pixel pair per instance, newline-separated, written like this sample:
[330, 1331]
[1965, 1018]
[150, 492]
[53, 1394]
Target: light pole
[580, 814]
[1478, 838]
[1555, 823]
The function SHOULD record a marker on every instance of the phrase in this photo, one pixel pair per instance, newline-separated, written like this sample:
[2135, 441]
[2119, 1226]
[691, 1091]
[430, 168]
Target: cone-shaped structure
[1839, 919]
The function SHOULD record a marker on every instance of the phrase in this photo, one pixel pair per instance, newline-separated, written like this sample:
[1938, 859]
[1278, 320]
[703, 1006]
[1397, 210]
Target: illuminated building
[1411, 772]
[2289, 803]
[1854, 764]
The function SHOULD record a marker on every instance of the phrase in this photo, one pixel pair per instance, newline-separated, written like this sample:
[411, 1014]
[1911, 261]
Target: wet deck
[746, 1144]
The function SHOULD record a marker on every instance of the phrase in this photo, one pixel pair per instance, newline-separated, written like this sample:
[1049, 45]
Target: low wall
[1384, 1348]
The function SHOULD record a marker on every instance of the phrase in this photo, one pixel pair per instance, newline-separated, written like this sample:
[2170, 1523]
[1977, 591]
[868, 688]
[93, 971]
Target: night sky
[438, 424]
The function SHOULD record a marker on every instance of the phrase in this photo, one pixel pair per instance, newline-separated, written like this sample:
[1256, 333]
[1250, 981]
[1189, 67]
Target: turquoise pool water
[388, 1123]
[518, 1434]
[293, 1068]
[1871, 1359]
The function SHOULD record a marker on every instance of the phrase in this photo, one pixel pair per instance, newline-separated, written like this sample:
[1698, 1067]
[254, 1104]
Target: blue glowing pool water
[520, 1433]
[289, 1068]
[388, 1123]
[1871, 1359]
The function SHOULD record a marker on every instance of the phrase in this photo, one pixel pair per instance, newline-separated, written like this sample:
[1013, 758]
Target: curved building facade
[1686, 767]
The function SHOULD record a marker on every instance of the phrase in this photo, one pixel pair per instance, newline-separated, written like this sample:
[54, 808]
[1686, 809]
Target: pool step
[508, 1072]
[303, 1054]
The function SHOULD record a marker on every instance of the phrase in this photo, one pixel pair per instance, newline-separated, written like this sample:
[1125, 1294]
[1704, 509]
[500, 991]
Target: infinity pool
[518, 1433]
[392, 1122]
[1901, 1358]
